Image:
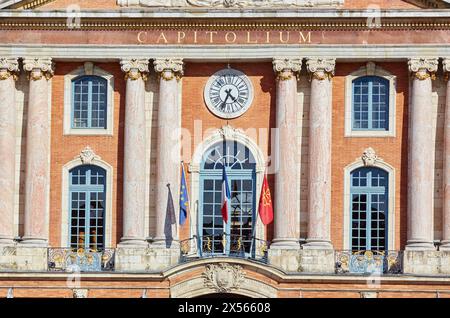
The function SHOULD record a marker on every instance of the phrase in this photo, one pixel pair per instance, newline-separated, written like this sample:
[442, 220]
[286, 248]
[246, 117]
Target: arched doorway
[235, 237]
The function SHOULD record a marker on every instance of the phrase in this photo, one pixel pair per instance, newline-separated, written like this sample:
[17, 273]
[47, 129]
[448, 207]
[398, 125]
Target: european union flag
[184, 198]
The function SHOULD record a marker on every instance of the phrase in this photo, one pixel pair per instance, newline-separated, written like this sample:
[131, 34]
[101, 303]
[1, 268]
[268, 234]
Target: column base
[426, 262]
[285, 244]
[316, 244]
[419, 245]
[34, 241]
[4, 240]
[445, 246]
[133, 241]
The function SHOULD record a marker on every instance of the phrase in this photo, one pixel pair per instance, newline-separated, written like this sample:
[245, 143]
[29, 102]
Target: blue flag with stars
[184, 198]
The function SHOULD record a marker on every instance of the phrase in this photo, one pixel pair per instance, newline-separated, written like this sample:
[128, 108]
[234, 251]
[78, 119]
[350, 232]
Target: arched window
[370, 103]
[87, 188]
[236, 236]
[89, 102]
[369, 209]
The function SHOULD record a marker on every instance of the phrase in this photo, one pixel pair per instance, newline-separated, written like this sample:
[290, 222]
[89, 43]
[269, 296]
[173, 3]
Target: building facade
[343, 105]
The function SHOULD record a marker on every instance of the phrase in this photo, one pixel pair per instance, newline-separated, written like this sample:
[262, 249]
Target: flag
[226, 197]
[184, 197]
[265, 203]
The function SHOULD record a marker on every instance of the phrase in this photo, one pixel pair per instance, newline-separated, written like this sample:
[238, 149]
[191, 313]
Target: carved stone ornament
[38, 68]
[80, 293]
[135, 68]
[223, 277]
[446, 65]
[9, 67]
[423, 68]
[369, 157]
[228, 132]
[285, 68]
[321, 68]
[88, 156]
[230, 3]
[169, 68]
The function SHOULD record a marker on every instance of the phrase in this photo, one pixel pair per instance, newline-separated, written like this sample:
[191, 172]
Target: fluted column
[37, 173]
[168, 150]
[319, 181]
[446, 221]
[9, 67]
[421, 168]
[287, 192]
[136, 71]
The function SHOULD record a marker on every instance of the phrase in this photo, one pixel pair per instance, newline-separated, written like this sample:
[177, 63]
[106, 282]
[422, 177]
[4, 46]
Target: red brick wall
[65, 148]
[393, 149]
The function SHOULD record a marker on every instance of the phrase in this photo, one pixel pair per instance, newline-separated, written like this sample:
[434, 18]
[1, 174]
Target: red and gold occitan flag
[265, 203]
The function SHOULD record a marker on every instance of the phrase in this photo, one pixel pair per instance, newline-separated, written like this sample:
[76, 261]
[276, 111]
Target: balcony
[80, 260]
[233, 246]
[369, 262]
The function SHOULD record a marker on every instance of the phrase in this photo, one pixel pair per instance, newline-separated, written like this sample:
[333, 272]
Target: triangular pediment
[222, 4]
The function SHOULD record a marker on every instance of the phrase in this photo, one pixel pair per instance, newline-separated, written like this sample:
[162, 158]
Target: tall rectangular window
[89, 102]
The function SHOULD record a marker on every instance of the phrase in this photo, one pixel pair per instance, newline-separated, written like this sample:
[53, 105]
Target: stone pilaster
[168, 153]
[421, 169]
[322, 71]
[9, 67]
[446, 215]
[136, 71]
[285, 248]
[37, 173]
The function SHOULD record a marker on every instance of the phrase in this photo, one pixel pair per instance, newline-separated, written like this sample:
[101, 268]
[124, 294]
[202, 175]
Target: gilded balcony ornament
[286, 68]
[38, 68]
[169, 68]
[423, 68]
[321, 68]
[9, 67]
[135, 69]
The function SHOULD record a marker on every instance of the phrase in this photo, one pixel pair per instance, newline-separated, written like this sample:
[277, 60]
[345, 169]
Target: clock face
[228, 93]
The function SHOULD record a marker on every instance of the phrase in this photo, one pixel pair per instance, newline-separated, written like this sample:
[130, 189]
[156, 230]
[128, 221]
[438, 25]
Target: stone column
[287, 192]
[136, 71]
[421, 168]
[446, 221]
[9, 67]
[37, 173]
[168, 155]
[322, 71]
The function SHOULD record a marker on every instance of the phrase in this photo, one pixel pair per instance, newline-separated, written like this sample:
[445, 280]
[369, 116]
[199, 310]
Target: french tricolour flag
[226, 197]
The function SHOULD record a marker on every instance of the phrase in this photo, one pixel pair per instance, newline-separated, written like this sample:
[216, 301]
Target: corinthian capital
[169, 68]
[39, 67]
[321, 68]
[423, 68]
[8, 67]
[446, 65]
[135, 68]
[286, 67]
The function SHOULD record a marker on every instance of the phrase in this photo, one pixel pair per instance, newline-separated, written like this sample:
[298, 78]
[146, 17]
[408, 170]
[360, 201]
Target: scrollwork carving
[223, 277]
[423, 68]
[38, 68]
[169, 68]
[135, 68]
[285, 68]
[321, 68]
[9, 67]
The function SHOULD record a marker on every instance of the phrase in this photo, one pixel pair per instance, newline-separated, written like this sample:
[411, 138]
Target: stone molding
[223, 277]
[135, 68]
[38, 67]
[169, 68]
[446, 67]
[230, 3]
[423, 68]
[9, 67]
[321, 68]
[286, 67]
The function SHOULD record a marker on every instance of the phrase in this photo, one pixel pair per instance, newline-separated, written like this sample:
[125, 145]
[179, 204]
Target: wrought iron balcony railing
[224, 245]
[369, 262]
[80, 260]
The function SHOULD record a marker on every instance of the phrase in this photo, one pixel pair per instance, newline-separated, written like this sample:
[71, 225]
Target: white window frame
[88, 69]
[370, 70]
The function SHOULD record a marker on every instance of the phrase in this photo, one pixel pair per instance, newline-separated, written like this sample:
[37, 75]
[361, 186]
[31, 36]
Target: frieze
[230, 3]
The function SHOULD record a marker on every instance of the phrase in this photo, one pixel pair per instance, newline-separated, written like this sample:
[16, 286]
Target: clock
[228, 93]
